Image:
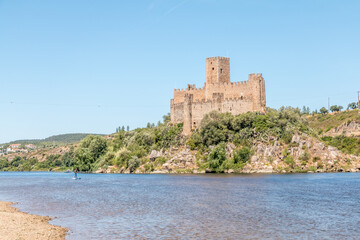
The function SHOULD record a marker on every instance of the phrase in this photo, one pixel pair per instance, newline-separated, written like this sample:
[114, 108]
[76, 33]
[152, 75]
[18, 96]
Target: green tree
[16, 161]
[323, 110]
[4, 163]
[305, 110]
[89, 150]
[352, 105]
[336, 108]
[166, 118]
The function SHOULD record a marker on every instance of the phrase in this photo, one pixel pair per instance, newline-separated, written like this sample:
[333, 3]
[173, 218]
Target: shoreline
[191, 172]
[15, 224]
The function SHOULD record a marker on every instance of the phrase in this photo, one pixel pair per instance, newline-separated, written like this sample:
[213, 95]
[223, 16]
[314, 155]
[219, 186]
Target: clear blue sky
[93, 65]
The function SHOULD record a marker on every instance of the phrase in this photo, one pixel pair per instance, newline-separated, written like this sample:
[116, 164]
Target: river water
[117, 206]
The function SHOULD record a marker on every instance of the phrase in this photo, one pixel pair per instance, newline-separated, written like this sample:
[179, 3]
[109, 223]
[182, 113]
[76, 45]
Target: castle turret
[258, 92]
[217, 70]
[188, 99]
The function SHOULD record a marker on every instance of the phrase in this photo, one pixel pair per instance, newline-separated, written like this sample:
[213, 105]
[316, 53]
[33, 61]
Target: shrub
[149, 167]
[121, 157]
[289, 160]
[242, 155]
[216, 157]
[195, 141]
[133, 163]
[4, 163]
[305, 157]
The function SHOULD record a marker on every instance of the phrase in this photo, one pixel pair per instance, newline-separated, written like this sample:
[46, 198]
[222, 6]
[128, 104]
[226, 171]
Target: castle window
[212, 68]
[220, 70]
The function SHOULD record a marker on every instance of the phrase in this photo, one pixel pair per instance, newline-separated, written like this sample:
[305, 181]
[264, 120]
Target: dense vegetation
[244, 128]
[52, 162]
[128, 150]
[219, 128]
[350, 145]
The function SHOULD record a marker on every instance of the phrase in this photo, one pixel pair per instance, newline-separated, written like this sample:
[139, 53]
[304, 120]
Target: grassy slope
[324, 122]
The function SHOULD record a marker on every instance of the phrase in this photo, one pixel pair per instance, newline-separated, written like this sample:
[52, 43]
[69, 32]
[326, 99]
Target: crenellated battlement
[187, 89]
[218, 58]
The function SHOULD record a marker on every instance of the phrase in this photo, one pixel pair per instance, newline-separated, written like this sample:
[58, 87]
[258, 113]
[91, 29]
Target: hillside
[323, 123]
[339, 129]
[56, 139]
[280, 141]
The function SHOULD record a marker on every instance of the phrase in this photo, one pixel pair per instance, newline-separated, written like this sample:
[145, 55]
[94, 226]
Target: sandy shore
[18, 225]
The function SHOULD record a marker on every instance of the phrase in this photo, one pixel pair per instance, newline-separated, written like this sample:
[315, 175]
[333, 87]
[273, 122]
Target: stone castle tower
[218, 94]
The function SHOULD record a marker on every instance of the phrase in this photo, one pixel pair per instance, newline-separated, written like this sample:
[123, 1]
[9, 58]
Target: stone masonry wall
[191, 104]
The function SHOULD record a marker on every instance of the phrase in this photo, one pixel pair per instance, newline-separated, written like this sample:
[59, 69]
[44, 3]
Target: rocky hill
[279, 142]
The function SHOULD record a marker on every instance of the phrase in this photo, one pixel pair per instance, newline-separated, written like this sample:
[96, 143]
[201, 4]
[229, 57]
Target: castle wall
[179, 94]
[191, 104]
[231, 90]
[201, 108]
[177, 113]
[237, 106]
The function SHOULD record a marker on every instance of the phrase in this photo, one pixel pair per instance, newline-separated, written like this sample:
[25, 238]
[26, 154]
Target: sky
[89, 66]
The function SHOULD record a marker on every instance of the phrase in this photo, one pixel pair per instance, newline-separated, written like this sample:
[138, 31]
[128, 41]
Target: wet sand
[19, 225]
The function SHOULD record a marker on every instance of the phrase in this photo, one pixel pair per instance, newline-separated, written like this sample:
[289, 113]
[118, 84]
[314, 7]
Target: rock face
[347, 129]
[302, 154]
[305, 154]
[183, 160]
[155, 154]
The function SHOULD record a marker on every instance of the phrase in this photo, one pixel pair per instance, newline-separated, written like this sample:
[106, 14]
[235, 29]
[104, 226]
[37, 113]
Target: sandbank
[15, 224]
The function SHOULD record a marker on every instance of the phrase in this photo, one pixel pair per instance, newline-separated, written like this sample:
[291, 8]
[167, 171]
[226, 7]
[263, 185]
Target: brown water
[100, 206]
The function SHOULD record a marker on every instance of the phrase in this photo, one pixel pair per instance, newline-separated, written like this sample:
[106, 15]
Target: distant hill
[57, 139]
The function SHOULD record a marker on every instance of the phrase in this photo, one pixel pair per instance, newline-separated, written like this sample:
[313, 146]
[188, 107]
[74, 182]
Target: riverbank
[19, 225]
[278, 142]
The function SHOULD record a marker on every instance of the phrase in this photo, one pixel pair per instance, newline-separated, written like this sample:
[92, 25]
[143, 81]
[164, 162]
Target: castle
[190, 105]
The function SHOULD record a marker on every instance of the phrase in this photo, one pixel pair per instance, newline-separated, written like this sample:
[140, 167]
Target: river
[120, 206]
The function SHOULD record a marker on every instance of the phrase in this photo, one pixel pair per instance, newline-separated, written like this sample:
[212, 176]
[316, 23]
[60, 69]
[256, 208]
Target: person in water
[76, 171]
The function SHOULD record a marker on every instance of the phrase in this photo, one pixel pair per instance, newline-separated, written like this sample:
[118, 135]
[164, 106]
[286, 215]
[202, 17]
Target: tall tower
[217, 70]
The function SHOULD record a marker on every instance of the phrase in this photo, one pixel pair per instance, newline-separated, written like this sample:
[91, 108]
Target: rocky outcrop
[180, 160]
[303, 154]
[155, 154]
